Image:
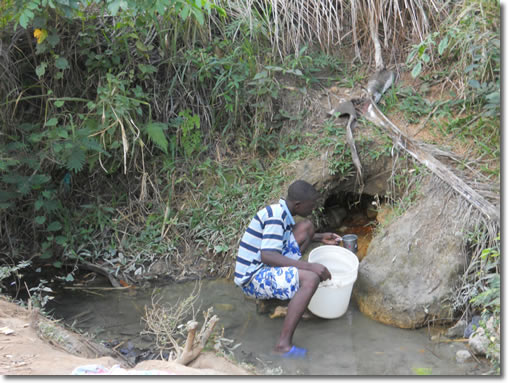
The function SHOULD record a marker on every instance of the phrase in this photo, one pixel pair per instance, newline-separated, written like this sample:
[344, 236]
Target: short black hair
[302, 191]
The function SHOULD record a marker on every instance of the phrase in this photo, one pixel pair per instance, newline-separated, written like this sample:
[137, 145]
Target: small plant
[340, 161]
[413, 104]
[40, 295]
[8, 271]
[489, 301]
[422, 370]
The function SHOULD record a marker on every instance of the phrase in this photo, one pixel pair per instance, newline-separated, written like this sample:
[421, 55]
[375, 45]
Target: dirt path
[33, 345]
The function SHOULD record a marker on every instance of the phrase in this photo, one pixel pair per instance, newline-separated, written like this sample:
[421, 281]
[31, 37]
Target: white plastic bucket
[331, 298]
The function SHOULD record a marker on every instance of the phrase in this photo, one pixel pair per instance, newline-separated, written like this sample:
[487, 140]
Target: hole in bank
[351, 213]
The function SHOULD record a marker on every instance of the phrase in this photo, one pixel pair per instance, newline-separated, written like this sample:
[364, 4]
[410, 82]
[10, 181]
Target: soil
[27, 347]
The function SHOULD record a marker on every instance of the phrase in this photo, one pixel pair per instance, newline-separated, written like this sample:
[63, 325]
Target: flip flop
[294, 353]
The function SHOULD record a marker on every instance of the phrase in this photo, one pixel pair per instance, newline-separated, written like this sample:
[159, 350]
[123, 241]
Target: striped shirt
[270, 229]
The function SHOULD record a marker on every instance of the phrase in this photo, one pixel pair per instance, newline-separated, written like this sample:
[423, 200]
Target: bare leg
[309, 281]
[304, 232]
[308, 285]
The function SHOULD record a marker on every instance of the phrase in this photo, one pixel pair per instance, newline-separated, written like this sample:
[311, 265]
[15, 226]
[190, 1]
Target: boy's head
[303, 197]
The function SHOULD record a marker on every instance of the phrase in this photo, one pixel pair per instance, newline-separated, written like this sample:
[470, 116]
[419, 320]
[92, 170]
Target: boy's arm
[275, 259]
[327, 238]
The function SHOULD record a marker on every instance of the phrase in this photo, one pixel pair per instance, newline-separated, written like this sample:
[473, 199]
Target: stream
[350, 345]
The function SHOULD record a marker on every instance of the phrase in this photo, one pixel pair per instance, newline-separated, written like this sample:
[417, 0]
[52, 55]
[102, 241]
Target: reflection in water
[350, 345]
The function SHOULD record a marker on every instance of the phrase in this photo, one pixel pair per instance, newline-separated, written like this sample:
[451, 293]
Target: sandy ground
[33, 345]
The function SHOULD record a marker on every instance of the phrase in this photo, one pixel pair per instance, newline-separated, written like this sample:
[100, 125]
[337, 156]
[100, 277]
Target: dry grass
[165, 322]
[291, 25]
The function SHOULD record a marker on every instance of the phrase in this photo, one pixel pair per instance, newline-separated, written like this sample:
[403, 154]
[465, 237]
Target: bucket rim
[336, 247]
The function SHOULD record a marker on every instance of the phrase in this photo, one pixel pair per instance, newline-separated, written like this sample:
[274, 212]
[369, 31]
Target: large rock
[412, 266]
[376, 173]
[479, 342]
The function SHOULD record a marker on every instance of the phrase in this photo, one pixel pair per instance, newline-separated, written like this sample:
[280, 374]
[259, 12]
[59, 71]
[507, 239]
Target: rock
[457, 331]
[463, 356]
[472, 326]
[266, 306]
[491, 326]
[376, 172]
[279, 312]
[335, 216]
[413, 265]
[479, 342]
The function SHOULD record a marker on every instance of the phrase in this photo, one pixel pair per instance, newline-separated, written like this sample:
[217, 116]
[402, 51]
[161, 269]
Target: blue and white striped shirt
[270, 229]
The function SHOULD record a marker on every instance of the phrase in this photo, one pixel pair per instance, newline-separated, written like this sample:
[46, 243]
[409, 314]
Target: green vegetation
[488, 300]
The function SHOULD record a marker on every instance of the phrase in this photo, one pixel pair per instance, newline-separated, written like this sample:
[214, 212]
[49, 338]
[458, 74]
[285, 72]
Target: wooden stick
[189, 352]
[101, 270]
[377, 117]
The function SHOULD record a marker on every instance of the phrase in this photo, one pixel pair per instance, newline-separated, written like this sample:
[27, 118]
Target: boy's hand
[331, 239]
[321, 271]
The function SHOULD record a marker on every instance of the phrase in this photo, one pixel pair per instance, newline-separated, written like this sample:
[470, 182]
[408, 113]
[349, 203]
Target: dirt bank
[32, 345]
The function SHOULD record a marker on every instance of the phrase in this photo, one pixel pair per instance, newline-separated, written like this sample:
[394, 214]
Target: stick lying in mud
[102, 271]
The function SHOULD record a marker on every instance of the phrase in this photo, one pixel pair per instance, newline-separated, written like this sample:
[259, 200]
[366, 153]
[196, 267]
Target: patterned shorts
[273, 282]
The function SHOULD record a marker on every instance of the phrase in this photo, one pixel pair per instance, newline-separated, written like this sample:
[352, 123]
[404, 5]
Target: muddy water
[361, 225]
[350, 345]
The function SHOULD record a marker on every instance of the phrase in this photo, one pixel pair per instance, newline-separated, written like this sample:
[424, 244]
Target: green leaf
[61, 63]
[41, 69]
[442, 45]
[38, 204]
[474, 84]
[40, 219]
[260, 75]
[411, 56]
[59, 103]
[199, 17]
[6, 205]
[416, 70]
[155, 131]
[63, 133]
[54, 226]
[53, 39]
[185, 12]
[142, 47]
[114, 7]
[57, 264]
[147, 68]
[69, 278]
[51, 122]
[46, 255]
[494, 97]
[76, 159]
[425, 58]
[23, 20]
